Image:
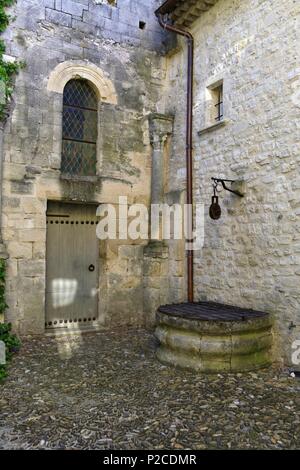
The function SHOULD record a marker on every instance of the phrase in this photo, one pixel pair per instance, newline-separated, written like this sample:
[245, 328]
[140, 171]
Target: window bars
[219, 105]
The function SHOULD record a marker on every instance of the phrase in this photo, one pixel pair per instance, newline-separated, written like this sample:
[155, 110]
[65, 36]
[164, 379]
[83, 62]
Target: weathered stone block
[22, 187]
[32, 268]
[19, 249]
[59, 18]
[32, 235]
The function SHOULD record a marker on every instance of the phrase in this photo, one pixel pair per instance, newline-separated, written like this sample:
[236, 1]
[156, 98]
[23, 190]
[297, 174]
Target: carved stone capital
[160, 127]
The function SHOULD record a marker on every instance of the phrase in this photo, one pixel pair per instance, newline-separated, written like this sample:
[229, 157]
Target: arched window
[80, 124]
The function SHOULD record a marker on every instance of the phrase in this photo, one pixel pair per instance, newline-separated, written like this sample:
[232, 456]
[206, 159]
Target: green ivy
[11, 341]
[2, 307]
[7, 69]
[7, 72]
[4, 18]
[12, 344]
[2, 286]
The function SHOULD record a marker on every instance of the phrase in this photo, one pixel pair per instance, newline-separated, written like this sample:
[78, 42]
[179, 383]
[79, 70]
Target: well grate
[210, 311]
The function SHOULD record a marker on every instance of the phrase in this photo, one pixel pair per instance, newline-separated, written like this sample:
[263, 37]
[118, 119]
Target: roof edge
[166, 7]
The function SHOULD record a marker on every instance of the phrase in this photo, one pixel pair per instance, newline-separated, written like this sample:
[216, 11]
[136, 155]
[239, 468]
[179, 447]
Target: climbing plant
[12, 343]
[7, 72]
[7, 69]
[2, 286]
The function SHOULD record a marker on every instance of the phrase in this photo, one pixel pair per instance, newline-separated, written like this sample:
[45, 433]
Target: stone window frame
[211, 123]
[80, 104]
[105, 91]
[216, 92]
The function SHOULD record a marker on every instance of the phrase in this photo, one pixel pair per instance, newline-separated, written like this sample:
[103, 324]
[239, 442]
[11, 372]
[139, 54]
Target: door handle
[91, 268]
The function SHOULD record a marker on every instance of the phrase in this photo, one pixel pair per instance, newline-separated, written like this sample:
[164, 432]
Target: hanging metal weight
[215, 211]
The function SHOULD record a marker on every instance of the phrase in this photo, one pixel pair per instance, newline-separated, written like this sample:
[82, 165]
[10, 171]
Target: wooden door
[72, 265]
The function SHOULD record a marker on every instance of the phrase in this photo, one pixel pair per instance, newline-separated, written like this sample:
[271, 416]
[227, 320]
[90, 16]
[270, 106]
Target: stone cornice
[185, 12]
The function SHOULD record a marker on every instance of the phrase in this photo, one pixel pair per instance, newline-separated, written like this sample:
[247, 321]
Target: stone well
[210, 337]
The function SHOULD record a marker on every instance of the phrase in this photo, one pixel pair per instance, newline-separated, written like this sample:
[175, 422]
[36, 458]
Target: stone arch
[69, 70]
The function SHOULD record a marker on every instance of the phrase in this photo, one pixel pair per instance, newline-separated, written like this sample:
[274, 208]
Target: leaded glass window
[80, 119]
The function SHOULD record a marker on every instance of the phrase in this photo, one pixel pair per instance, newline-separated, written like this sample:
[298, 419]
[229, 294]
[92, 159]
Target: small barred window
[215, 103]
[218, 91]
[80, 128]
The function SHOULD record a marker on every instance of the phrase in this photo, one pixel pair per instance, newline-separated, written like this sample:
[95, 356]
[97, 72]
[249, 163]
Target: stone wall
[251, 256]
[104, 37]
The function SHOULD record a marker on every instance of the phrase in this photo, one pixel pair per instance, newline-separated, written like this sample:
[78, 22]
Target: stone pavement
[107, 391]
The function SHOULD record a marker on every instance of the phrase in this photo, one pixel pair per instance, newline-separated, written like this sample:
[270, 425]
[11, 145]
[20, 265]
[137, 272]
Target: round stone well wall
[210, 337]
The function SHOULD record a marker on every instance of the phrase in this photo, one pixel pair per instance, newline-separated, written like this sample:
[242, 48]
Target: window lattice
[79, 144]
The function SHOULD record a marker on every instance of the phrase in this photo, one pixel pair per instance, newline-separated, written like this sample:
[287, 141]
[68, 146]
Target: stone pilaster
[156, 253]
[161, 126]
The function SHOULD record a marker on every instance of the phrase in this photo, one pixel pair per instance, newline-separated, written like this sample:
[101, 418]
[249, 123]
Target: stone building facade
[116, 47]
[251, 256]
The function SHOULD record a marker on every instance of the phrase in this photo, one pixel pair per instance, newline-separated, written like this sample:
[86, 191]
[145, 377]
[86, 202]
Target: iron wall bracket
[223, 182]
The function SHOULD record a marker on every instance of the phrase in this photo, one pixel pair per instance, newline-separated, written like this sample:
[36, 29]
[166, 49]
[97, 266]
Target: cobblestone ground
[107, 391]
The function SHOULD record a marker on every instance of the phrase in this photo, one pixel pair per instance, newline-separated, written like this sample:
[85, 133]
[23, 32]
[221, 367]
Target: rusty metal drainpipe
[189, 144]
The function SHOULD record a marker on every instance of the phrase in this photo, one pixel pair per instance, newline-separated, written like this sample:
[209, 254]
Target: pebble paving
[107, 391]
